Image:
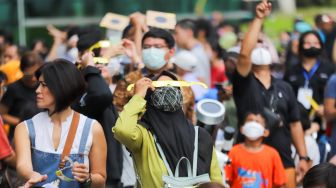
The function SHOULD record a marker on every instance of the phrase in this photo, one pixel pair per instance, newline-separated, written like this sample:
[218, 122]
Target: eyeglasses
[60, 174]
[42, 83]
[154, 46]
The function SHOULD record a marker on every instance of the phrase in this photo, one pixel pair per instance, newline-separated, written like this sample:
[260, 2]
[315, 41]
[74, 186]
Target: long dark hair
[302, 38]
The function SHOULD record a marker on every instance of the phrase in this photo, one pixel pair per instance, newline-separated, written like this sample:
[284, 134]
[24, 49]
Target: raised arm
[126, 130]
[251, 37]
[98, 95]
[58, 37]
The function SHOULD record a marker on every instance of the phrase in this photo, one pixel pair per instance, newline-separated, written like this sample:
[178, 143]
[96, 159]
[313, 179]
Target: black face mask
[311, 52]
[168, 99]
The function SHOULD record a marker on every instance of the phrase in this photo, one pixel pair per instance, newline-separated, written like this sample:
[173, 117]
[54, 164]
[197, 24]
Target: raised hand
[142, 85]
[57, 34]
[130, 50]
[138, 19]
[86, 59]
[263, 9]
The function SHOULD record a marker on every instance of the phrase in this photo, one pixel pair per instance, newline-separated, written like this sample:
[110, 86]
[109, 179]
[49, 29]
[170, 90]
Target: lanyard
[310, 74]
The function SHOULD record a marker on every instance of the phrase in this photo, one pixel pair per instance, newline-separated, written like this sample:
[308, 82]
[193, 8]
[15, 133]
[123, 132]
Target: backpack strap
[163, 157]
[195, 157]
[177, 170]
[195, 152]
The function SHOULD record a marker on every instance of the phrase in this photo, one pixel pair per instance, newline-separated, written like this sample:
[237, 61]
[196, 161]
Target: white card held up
[160, 19]
[304, 94]
[114, 21]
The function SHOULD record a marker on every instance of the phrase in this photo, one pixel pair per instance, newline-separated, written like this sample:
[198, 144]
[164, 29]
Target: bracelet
[306, 158]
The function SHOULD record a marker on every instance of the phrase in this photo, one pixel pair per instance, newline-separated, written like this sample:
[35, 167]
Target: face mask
[311, 52]
[168, 99]
[261, 56]
[253, 130]
[228, 40]
[113, 67]
[284, 44]
[153, 58]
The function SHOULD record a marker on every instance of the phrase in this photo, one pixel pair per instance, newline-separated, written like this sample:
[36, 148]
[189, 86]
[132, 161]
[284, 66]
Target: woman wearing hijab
[162, 135]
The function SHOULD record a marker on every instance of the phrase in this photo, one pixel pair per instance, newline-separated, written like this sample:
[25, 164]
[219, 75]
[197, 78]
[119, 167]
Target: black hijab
[176, 135]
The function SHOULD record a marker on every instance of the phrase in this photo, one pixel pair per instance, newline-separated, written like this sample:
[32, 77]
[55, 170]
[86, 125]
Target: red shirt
[5, 148]
[255, 170]
[218, 74]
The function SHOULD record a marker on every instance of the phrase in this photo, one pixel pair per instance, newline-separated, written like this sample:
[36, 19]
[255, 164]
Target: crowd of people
[83, 114]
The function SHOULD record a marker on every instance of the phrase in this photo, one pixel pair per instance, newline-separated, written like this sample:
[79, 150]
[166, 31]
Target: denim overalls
[47, 163]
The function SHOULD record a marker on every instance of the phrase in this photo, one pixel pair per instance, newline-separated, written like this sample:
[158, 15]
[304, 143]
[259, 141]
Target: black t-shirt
[20, 100]
[96, 103]
[317, 82]
[251, 96]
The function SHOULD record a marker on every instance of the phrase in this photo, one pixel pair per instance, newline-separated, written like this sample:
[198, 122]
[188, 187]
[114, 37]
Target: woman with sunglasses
[41, 141]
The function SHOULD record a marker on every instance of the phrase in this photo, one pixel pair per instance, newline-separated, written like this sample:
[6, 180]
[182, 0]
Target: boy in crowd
[254, 164]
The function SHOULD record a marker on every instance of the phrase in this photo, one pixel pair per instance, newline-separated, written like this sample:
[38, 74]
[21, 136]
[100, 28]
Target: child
[254, 164]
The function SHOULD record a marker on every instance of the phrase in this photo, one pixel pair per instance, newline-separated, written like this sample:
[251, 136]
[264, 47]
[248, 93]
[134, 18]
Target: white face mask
[253, 130]
[153, 58]
[261, 56]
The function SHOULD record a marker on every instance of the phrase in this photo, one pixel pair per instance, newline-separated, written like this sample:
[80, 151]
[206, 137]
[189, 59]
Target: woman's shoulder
[41, 116]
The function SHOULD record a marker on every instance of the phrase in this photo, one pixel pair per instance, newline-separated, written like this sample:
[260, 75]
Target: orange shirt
[255, 170]
[12, 71]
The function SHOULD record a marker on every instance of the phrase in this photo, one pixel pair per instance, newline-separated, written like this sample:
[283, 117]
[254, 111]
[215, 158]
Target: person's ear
[170, 54]
[241, 129]
[266, 133]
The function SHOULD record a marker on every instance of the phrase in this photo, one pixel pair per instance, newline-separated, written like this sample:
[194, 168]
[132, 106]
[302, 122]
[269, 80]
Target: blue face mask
[153, 58]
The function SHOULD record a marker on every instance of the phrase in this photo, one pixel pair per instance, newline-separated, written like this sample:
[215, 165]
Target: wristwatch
[87, 182]
[306, 158]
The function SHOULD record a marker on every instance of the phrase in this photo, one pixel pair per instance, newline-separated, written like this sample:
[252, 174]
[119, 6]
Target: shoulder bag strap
[70, 138]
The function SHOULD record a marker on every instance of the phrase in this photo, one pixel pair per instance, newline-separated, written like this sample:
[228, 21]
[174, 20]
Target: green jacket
[140, 142]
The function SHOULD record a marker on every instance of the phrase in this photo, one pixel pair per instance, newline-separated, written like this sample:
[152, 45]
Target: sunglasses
[59, 172]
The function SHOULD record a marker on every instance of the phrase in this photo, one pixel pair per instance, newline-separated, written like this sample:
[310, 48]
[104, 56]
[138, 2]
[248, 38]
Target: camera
[273, 120]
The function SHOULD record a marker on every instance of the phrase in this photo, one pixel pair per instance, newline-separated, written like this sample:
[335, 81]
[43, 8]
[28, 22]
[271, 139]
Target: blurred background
[27, 19]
